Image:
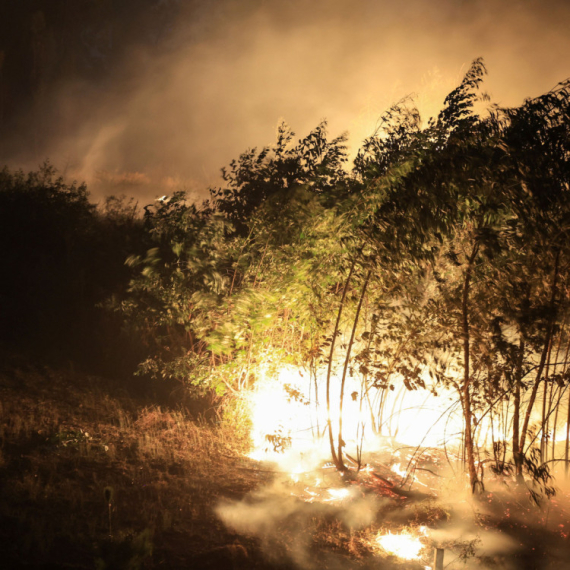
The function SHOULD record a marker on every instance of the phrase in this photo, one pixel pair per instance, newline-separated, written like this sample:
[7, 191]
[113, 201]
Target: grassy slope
[90, 477]
[93, 478]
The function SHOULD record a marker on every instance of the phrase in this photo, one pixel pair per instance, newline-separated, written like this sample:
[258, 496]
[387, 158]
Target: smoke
[310, 510]
[179, 105]
[499, 530]
[288, 527]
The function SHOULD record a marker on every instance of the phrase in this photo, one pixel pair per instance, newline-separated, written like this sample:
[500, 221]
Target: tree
[62, 258]
[442, 252]
[224, 275]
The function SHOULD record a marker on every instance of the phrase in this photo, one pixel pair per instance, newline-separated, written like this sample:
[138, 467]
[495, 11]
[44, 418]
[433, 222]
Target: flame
[295, 473]
[396, 468]
[283, 414]
[403, 546]
[339, 494]
[288, 427]
[276, 417]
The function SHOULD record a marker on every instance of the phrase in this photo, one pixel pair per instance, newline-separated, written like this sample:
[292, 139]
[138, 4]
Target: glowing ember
[396, 468]
[401, 545]
[339, 494]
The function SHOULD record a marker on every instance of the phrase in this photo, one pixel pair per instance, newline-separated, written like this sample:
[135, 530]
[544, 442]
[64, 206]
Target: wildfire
[396, 468]
[279, 415]
[403, 545]
[339, 494]
[284, 414]
[289, 428]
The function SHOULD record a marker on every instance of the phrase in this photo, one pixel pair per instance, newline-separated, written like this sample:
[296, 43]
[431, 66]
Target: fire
[339, 494]
[278, 417]
[403, 546]
[289, 421]
[284, 414]
[396, 468]
[295, 473]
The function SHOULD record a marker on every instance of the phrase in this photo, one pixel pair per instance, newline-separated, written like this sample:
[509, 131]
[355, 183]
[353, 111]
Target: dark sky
[150, 96]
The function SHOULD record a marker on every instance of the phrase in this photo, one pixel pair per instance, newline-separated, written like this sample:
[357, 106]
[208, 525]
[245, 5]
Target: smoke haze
[175, 105]
[476, 534]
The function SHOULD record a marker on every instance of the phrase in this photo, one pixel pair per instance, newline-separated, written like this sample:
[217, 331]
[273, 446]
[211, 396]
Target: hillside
[91, 477]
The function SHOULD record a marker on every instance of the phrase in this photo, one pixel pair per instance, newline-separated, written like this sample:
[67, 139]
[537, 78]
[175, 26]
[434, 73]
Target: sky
[169, 113]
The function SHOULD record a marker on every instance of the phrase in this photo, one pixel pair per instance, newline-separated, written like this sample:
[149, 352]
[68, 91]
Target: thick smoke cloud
[178, 105]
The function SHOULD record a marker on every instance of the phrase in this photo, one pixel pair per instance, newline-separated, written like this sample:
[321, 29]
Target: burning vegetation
[393, 338]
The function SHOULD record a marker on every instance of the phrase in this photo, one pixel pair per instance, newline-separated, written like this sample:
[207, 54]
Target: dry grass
[93, 477]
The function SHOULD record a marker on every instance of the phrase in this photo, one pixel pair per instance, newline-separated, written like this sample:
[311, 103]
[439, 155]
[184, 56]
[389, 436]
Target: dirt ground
[92, 477]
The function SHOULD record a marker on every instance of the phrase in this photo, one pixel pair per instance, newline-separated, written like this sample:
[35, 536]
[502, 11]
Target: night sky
[144, 98]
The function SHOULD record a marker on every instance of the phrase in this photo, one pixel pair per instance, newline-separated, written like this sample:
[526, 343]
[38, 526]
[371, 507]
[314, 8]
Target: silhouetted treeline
[61, 259]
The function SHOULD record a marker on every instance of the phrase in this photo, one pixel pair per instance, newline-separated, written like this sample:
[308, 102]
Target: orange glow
[403, 545]
[290, 430]
[284, 418]
[339, 494]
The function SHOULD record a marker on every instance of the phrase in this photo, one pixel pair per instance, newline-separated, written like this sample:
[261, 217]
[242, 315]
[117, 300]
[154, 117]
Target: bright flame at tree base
[285, 417]
[403, 546]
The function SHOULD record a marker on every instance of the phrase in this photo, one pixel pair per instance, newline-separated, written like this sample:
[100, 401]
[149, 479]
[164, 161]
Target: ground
[93, 477]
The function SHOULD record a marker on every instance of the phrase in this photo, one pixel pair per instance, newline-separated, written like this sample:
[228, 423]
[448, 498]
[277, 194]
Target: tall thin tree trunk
[346, 362]
[542, 363]
[370, 409]
[517, 456]
[336, 460]
[564, 372]
[476, 485]
[544, 422]
[313, 375]
[554, 429]
[383, 398]
[567, 438]
[554, 426]
[534, 392]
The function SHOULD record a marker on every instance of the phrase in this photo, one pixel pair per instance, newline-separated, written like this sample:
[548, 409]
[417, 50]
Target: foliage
[210, 293]
[62, 256]
[440, 260]
[273, 172]
[444, 251]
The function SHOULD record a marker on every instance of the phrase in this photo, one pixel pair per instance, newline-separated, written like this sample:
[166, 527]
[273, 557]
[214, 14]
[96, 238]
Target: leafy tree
[43, 226]
[273, 172]
[459, 215]
[443, 251]
[224, 274]
[61, 257]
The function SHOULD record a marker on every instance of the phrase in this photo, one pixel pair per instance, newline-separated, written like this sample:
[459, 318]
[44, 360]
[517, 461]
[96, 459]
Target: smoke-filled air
[286, 285]
[148, 98]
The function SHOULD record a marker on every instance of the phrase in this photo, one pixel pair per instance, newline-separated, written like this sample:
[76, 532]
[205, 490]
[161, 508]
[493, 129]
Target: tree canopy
[438, 259]
[444, 251]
